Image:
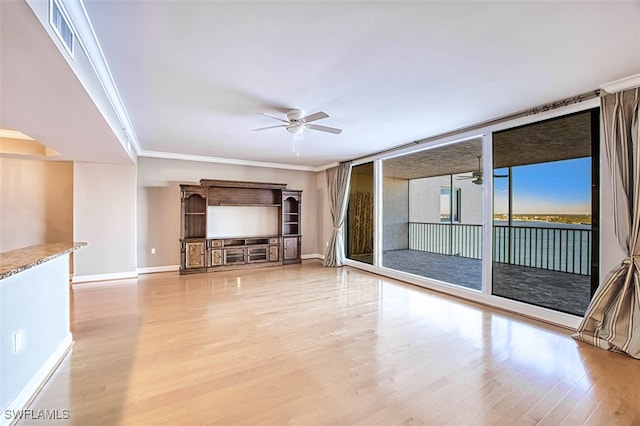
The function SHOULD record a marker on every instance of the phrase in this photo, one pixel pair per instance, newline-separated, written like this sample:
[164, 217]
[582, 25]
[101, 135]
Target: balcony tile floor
[555, 290]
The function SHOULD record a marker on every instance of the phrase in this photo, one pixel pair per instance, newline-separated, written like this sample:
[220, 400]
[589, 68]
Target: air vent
[61, 25]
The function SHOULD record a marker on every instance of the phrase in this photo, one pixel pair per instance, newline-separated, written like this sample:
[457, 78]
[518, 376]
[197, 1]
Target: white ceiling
[194, 75]
[41, 96]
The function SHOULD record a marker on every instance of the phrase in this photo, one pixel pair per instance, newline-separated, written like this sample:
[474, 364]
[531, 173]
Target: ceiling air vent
[61, 26]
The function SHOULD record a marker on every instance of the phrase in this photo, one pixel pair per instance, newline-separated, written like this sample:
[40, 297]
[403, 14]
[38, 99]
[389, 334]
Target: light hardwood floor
[307, 345]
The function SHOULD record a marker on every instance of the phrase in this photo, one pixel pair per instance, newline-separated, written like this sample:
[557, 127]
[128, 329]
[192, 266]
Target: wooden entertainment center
[200, 252]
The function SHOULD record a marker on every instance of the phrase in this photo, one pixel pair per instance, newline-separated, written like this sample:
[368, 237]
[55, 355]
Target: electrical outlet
[153, 250]
[17, 341]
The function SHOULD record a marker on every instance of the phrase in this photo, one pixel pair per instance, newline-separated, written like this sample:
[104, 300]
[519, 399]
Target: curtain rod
[525, 113]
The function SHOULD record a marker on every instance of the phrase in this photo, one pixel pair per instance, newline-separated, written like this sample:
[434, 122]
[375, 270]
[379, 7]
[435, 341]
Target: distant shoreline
[565, 219]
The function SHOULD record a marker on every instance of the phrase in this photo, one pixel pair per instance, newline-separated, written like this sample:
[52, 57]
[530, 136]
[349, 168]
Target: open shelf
[291, 226]
[194, 215]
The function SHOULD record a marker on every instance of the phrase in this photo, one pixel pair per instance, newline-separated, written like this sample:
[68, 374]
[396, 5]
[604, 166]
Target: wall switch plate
[153, 250]
[17, 341]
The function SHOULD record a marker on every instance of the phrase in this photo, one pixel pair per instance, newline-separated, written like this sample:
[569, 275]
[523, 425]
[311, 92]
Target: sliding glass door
[432, 214]
[543, 235]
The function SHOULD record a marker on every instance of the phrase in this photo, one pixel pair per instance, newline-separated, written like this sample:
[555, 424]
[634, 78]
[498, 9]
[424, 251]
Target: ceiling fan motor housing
[297, 122]
[294, 114]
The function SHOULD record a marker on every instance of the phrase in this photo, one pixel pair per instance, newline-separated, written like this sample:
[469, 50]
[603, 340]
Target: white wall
[324, 222]
[104, 210]
[34, 302]
[159, 203]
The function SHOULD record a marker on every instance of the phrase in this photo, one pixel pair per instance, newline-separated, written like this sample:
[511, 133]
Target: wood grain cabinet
[214, 253]
[193, 254]
[200, 252]
[291, 226]
[274, 249]
[290, 250]
[193, 205]
[193, 228]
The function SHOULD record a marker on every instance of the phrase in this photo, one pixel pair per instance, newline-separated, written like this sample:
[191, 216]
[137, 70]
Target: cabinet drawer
[216, 243]
[273, 241]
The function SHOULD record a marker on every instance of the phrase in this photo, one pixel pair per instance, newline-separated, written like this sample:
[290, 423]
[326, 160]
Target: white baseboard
[154, 269]
[26, 395]
[173, 268]
[312, 256]
[104, 277]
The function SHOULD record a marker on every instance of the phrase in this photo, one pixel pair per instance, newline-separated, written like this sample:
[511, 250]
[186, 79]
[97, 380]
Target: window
[449, 205]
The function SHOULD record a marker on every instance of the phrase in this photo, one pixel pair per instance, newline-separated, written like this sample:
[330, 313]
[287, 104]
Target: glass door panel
[433, 214]
[360, 220]
[542, 227]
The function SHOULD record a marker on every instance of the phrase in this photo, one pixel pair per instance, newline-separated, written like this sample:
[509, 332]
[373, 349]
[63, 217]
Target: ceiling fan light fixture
[295, 129]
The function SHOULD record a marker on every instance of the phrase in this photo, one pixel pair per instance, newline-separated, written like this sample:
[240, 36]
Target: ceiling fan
[296, 123]
[477, 175]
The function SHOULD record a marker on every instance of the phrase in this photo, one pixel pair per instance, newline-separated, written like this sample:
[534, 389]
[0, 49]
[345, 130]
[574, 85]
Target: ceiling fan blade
[465, 177]
[270, 127]
[276, 118]
[324, 129]
[314, 117]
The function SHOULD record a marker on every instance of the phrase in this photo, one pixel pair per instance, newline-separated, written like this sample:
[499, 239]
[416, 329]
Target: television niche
[242, 221]
[229, 225]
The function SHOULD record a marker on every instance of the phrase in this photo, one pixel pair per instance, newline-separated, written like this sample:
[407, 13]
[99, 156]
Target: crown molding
[88, 41]
[622, 84]
[233, 161]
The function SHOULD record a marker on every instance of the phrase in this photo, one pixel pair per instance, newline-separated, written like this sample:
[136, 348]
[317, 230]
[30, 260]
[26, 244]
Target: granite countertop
[15, 261]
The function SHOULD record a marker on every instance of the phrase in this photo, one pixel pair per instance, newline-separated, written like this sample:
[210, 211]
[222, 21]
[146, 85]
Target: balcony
[547, 266]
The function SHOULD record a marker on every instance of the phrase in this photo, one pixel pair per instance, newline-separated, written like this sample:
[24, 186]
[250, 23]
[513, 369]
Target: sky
[559, 187]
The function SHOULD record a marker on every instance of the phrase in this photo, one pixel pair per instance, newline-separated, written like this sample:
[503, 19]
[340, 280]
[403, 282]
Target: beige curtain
[612, 320]
[338, 181]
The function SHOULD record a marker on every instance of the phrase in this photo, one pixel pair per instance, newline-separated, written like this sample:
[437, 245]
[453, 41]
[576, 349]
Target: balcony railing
[445, 238]
[563, 249]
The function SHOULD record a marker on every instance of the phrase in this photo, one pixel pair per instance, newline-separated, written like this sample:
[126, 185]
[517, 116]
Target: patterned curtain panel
[361, 222]
[338, 181]
[612, 320]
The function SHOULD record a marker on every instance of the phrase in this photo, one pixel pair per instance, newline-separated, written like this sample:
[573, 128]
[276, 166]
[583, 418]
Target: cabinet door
[273, 253]
[290, 248]
[216, 257]
[234, 255]
[257, 254]
[194, 252]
